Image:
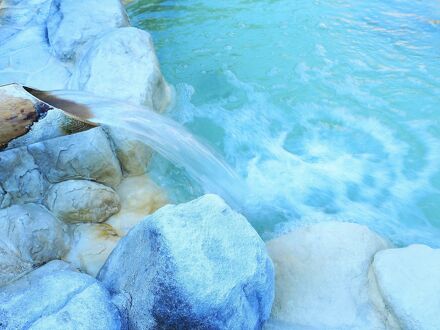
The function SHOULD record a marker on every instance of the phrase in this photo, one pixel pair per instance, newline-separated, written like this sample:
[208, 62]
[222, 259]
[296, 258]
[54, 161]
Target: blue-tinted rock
[72, 23]
[29, 236]
[198, 265]
[55, 296]
[85, 155]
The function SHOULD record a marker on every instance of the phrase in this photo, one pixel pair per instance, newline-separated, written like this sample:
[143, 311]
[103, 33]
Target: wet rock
[125, 56]
[194, 265]
[72, 23]
[139, 196]
[85, 155]
[132, 153]
[322, 277]
[408, 280]
[91, 246]
[57, 297]
[20, 177]
[29, 236]
[82, 201]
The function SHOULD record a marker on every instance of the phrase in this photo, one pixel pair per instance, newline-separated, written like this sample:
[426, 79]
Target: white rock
[25, 56]
[29, 236]
[56, 297]
[139, 196]
[72, 23]
[76, 201]
[123, 64]
[322, 277]
[409, 280]
[91, 246]
[85, 155]
[198, 265]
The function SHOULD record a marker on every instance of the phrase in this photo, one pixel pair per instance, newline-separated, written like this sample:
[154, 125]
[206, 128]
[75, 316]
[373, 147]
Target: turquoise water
[328, 109]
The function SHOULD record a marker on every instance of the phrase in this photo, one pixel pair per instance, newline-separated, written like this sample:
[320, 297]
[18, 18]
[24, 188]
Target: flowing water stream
[327, 109]
[164, 135]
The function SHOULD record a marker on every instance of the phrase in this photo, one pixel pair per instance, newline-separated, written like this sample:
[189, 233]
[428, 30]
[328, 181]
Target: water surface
[328, 109]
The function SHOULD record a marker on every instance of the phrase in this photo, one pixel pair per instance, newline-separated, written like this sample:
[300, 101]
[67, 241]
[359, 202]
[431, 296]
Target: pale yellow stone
[139, 197]
[91, 245]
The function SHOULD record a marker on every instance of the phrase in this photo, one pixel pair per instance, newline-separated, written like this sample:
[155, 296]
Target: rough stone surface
[57, 297]
[322, 277]
[29, 236]
[409, 281]
[133, 154]
[91, 246]
[82, 201]
[25, 56]
[194, 265]
[139, 197]
[72, 23]
[85, 155]
[20, 177]
[125, 56]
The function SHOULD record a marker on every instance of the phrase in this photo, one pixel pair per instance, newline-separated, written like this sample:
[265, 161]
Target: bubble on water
[322, 164]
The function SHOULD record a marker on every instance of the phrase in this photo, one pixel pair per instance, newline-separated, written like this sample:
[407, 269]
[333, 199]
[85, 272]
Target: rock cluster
[343, 276]
[67, 188]
[74, 196]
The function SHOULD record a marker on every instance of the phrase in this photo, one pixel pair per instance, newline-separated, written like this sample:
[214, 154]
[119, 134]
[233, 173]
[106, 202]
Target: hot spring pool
[328, 109]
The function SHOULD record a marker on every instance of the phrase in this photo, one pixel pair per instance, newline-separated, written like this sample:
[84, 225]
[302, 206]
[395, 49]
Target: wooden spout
[18, 112]
[72, 109]
[21, 107]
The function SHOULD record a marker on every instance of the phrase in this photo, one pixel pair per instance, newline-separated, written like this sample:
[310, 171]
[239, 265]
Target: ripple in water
[328, 110]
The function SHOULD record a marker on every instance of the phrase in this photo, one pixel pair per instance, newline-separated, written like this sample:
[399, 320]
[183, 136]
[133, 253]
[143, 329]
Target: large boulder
[198, 265]
[409, 281]
[322, 277]
[85, 155]
[29, 236]
[72, 23]
[76, 201]
[57, 297]
[123, 64]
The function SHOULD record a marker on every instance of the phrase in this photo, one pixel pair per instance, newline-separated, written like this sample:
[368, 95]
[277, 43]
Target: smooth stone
[91, 244]
[197, 265]
[322, 277]
[123, 64]
[85, 155]
[57, 297]
[20, 177]
[76, 201]
[409, 281]
[139, 197]
[29, 236]
[72, 23]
